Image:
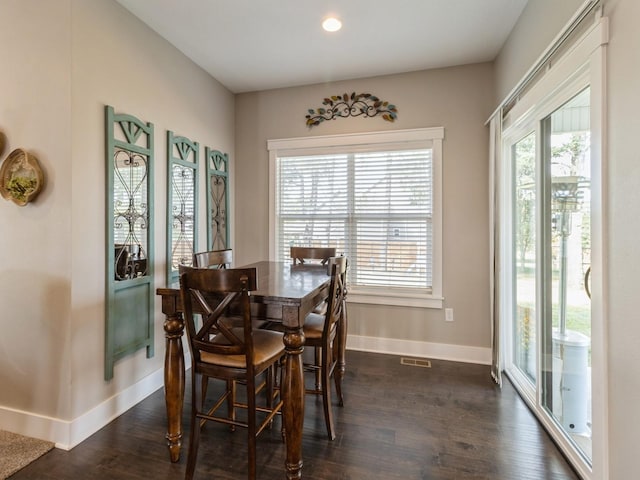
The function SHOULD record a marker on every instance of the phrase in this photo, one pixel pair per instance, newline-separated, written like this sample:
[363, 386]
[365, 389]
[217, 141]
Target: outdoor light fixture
[331, 24]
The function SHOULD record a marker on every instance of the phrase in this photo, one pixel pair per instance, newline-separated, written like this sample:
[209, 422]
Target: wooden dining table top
[281, 281]
[281, 284]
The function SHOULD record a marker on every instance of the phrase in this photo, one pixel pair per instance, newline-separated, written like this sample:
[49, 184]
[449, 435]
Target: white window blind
[374, 207]
[375, 198]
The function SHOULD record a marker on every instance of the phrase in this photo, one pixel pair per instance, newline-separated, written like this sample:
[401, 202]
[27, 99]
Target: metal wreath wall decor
[354, 105]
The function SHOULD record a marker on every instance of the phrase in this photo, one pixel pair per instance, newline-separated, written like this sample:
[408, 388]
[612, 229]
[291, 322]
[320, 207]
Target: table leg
[174, 383]
[293, 393]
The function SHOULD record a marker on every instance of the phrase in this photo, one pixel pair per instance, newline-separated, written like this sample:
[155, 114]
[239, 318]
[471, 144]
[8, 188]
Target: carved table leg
[174, 383]
[293, 393]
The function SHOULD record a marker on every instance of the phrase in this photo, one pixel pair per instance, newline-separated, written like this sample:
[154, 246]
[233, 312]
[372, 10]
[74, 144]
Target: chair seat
[313, 326]
[267, 345]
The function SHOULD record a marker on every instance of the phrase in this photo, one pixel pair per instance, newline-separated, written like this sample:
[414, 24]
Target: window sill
[395, 299]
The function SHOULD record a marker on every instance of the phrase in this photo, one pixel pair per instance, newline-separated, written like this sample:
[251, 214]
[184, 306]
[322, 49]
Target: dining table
[285, 293]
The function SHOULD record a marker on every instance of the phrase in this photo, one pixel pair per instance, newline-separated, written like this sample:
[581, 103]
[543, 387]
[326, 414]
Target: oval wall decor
[21, 177]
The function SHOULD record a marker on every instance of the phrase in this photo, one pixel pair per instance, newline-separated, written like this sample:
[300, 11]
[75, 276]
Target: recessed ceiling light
[331, 24]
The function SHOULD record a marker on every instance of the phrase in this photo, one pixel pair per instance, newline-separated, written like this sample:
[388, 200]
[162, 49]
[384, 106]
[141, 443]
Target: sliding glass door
[524, 256]
[552, 270]
[566, 333]
[548, 183]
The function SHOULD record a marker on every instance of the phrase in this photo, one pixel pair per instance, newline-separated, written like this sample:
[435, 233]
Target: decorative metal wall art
[354, 105]
[217, 199]
[130, 213]
[182, 206]
[129, 227]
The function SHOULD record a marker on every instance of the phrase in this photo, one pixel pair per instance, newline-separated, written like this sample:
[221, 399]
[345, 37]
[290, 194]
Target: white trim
[397, 299]
[67, 434]
[348, 139]
[599, 293]
[440, 351]
[273, 156]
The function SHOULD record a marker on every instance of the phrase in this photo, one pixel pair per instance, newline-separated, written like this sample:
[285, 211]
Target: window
[376, 198]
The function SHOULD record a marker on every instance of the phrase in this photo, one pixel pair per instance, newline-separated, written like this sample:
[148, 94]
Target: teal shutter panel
[129, 242]
[217, 199]
[182, 203]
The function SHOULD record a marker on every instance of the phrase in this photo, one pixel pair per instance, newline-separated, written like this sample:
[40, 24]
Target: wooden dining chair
[313, 256]
[319, 255]
[322, 332]
[236, 355]
[213, 259]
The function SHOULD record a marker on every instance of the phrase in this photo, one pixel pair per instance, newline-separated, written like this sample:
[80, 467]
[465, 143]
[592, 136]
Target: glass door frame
[526, 385]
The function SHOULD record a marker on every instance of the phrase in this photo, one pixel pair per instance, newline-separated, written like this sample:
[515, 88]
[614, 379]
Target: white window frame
[405, 139]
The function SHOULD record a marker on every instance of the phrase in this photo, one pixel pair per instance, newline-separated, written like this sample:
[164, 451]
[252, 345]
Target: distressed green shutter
[182, 204]
[129, 231]
[217, 199]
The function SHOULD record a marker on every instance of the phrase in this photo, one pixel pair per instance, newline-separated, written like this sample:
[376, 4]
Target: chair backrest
[320, 255]
[213, 259]
[335, 300]
[343, 273]
[209, 292]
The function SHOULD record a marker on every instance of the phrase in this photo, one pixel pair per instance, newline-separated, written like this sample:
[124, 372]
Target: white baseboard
[67, 434]
[440, 351]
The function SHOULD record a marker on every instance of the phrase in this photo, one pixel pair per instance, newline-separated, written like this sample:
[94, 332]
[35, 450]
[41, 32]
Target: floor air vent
[416, 362]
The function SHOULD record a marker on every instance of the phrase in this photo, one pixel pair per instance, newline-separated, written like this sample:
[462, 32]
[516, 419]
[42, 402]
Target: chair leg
[205, 384]
[194, 437]
[317, 361]
[341, 365]
[326, 397]
[270, 382]
[251, 430]
[337, 377]
[231, 402]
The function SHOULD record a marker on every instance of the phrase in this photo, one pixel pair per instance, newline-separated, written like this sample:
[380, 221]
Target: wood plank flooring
[399, 422]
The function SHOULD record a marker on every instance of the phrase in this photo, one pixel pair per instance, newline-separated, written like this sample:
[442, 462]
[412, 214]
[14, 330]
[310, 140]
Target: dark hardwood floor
[399, 422]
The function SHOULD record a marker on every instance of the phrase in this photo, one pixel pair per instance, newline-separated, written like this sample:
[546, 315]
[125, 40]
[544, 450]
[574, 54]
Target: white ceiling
[251, 45]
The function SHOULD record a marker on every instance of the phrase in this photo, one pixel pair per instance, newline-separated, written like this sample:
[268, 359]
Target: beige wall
[70, 58]
[622, 201]
[459, 99]
[35, 258]
[35, 273]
